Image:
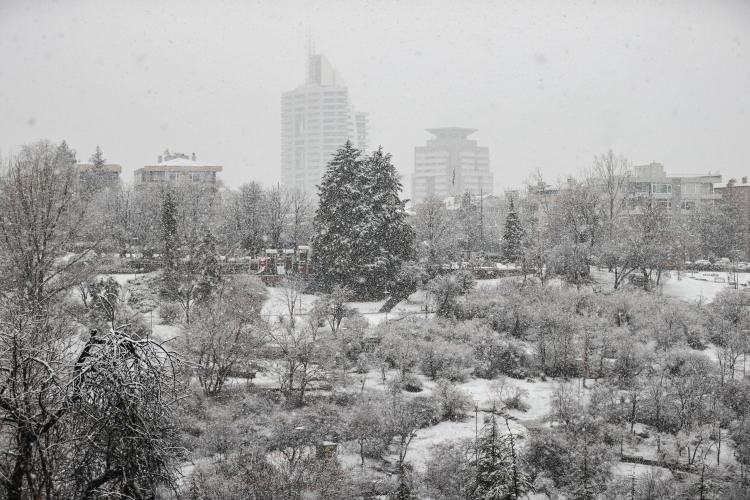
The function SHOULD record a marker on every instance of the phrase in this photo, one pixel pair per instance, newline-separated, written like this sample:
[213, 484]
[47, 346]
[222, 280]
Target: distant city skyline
[548, 85]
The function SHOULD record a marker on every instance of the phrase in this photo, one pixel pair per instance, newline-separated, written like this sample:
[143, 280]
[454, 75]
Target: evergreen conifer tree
[92, 181]
[393, 238]
[513, 236]
[206, 261]
[170, 254]
[98, 158]
[498, 472]
[361, 234]
[340, 220]
[66, 156]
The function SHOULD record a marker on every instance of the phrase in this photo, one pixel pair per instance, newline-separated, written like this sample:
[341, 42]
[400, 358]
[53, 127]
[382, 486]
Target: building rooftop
[183, 162]
[451, 132]
[656, 170]
[173, 162]
[735, 183]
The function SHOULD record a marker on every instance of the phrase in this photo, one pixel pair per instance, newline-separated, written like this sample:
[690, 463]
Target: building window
[663, 203]
[299, 125]
[687, 205]
[299, 158]
[661, 188]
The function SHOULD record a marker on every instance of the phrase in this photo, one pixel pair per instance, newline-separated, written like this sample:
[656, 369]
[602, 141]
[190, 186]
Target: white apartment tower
[449, 165]
[316, 120]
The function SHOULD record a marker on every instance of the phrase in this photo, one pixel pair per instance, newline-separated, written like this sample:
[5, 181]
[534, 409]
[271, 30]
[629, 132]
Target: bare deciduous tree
[277, 204]
[611, 174]
[40, 219]
[436, 241]
[226, 331]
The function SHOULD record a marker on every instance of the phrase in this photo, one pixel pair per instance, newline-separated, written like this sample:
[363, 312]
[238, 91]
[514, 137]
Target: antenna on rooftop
[310, 51]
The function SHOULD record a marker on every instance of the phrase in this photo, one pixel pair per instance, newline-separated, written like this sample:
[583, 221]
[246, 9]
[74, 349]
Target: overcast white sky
[547, 84]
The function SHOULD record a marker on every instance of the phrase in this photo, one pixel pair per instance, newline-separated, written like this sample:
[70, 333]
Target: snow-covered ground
[701, 286]
[121, 279]
[484, 394]
[421, 446]
[276, 305]
[691, 287]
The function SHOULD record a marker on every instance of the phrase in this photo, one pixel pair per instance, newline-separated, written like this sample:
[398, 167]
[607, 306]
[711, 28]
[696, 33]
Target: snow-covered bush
[516, 399]
[449, 473]
[398, 347]
[446, 360]
[444, 291]
[453, 401]
[496, 355]
[169, 312]
[410, 383]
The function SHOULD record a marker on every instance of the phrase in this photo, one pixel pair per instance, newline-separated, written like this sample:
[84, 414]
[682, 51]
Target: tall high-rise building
[451, 164]
[316, 120]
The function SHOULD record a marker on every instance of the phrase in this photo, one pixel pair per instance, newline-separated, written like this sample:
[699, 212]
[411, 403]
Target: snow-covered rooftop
[185, 162]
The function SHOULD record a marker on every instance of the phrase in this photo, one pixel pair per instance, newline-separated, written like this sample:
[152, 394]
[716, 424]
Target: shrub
[169, 312]
[441, 359]
[449, 471]
[515, 401]
[445, 290]
[453, 402]
[408, 382]
[427, 408]
[496, 355]
[399, 347]
[411, 383]
[352, 335]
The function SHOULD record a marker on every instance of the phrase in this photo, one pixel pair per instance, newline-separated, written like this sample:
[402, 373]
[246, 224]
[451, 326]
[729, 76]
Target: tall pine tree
[206, 262]
[171, 245]
[513, 236]
[393, 239]
[98, 158]
[65, 155]
[92, 181]
[499, 474]
[361, 234]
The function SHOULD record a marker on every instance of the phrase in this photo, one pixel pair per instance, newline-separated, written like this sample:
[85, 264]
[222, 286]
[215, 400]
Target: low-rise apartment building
[177, 167]
[673, 191]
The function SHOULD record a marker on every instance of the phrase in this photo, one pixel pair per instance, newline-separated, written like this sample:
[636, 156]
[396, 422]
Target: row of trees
[596, 219]
[593, 220]
[245, 221]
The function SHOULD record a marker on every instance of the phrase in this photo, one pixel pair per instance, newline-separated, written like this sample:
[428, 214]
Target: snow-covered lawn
[624, 469]
[421, 446]
[121, 279]
[691, 287]
[699, 286]
[538, 395]
[276, 305]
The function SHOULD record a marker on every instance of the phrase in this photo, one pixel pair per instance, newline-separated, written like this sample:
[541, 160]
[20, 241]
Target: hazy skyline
[547, 84]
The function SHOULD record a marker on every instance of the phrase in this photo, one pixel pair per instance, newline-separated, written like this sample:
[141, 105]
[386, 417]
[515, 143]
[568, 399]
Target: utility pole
[476, 435]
